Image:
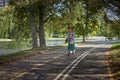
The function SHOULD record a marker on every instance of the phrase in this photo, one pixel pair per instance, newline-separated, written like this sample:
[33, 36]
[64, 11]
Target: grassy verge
[14, 45]
[24, 54]
[114, 60]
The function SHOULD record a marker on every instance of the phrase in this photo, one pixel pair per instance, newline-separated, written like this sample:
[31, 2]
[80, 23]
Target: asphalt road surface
[88, 63]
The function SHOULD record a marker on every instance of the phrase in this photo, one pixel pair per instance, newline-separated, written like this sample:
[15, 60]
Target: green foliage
[86, 18]
[94, 6]
[115, 27]
[6, 23]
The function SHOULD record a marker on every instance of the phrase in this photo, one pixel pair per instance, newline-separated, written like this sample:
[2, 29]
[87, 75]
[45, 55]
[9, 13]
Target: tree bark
[86, 22]
[42, 41]
[33, 30]
[83, 35]
[118, 36]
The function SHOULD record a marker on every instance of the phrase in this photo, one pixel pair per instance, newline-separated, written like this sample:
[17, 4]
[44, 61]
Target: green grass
[116, 46]
[114, 59]
[14, 45]
[24, 54]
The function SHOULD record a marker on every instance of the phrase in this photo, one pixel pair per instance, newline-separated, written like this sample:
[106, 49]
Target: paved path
[88, 63]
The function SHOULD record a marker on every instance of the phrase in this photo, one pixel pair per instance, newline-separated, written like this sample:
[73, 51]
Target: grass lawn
[114, 60]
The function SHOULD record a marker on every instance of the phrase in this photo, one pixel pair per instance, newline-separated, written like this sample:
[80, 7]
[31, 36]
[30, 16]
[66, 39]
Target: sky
[111, 15]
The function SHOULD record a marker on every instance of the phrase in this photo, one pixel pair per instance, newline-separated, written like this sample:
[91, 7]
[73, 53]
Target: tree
[6, 24]
[33, 28]
[115, 27]
[46, 10]
[25, 11]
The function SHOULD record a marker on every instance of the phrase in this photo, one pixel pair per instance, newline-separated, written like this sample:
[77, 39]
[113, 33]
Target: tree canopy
[34, 19]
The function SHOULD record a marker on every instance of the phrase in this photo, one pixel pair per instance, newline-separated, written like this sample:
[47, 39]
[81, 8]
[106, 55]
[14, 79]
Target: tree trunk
[118, 36]
[83, 35]
[33, 30]
[42, 41]
[86, 21]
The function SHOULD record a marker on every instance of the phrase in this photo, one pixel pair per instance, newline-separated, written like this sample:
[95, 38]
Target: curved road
[88, 63]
